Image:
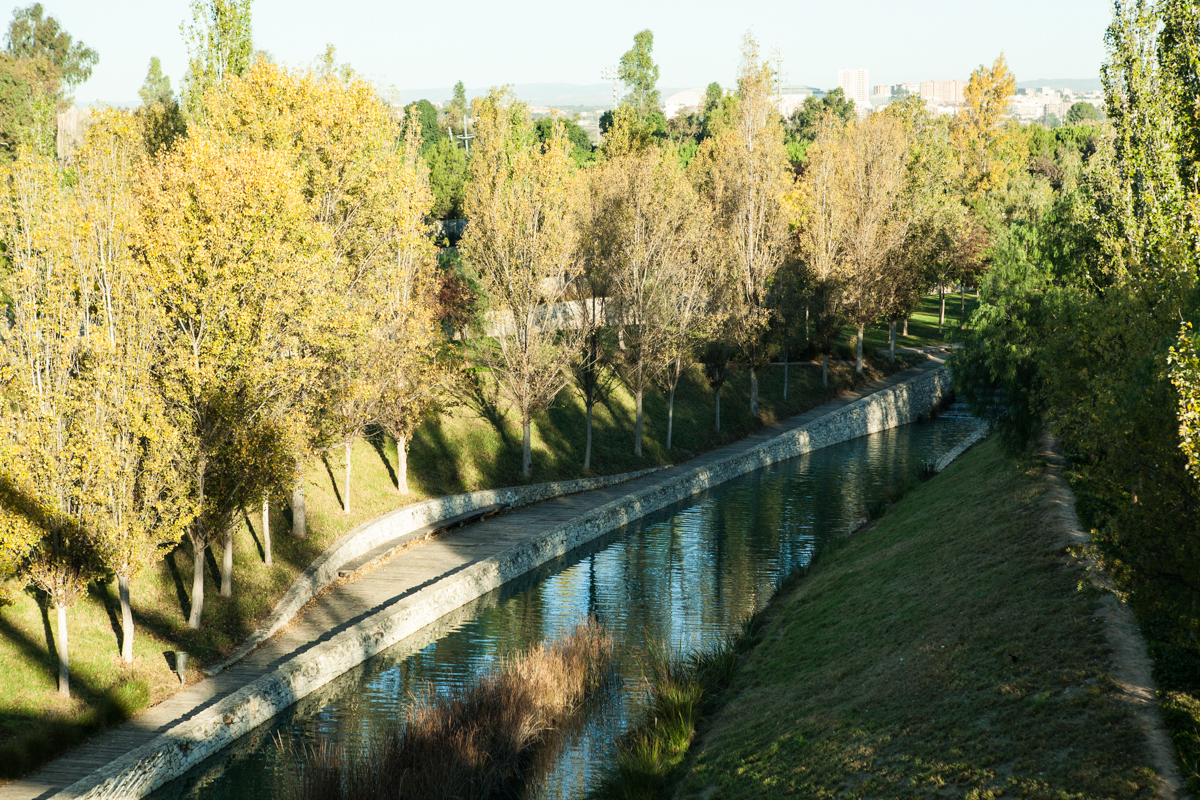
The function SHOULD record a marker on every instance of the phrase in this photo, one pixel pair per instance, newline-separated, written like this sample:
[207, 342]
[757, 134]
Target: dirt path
[1131, 664]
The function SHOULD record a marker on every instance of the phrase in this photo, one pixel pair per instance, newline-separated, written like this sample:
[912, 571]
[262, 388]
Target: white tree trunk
[227, 563]
[670, 414]
[402, 464]
[942, 312]
[905, 333]
[299, 519]
[346, 493]
[718, 404]
[858, 363]
[637, 421]
[526, 447]
[126, 619]
[266, 530]
[753, 392]
[587, 446]
[197, 585]
[64, 668]
[892, 341]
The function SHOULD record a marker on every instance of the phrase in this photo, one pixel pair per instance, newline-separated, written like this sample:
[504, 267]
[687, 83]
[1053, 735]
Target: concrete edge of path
[189, 742]
[1131, 660]
[393, 525]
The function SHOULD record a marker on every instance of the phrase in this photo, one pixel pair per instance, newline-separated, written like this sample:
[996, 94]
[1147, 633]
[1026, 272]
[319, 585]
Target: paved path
[347, 603]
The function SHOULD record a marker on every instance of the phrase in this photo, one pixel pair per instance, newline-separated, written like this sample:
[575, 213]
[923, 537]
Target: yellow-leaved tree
[137, 500]
[522, 239]
[227, 239]
[988, 144]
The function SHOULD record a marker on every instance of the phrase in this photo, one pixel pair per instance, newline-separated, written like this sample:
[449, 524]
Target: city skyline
[536, 43]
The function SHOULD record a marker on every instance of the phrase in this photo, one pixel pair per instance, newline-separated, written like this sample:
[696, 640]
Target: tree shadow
[43, 603]
[100, 592]
[185, 602]
[378, 439]
[262, 551]
[332, 480]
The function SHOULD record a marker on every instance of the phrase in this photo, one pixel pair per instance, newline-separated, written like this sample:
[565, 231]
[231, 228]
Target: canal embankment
[357, 620]
[955, 646]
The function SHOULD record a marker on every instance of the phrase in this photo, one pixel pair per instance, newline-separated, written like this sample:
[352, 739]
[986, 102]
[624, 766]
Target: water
[684, 577]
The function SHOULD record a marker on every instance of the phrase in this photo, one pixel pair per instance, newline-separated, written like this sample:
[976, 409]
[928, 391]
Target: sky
[407, 45]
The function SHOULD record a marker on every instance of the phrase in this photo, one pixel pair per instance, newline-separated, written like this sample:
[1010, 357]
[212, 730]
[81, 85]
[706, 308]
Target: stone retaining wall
[374, 532]
[191, 741]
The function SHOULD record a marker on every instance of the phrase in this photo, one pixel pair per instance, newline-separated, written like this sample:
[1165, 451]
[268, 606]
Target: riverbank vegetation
[480, 741]
[952, 646]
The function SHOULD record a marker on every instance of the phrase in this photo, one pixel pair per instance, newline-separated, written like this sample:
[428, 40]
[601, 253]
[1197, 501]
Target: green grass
[922, 327]
[945, 650]
[472, 446]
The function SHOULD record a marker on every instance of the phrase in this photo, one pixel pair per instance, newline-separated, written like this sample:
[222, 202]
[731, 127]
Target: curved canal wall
[208, 731]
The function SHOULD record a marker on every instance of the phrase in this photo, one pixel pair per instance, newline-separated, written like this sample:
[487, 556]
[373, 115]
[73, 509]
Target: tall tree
[749, 180]
[239, 265]
[984, 137]
[161, 116]
[219, 47]
[34, 35]
[522, 239]
[639, 73]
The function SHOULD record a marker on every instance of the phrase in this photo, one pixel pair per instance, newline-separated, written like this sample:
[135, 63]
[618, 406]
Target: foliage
[426, 117]
[984, 138]
[34, 36]
[806, 122]
[447, 179]
[1081, 113]
[581, 144]
[161, 115]
[640, 75]
[219, 47]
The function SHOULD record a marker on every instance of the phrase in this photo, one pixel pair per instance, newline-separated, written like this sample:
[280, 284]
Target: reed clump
[480, 741]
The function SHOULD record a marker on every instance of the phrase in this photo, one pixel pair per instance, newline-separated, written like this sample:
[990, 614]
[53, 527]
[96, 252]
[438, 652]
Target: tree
[28, 88]
[219, 47]
[1082, 113]
[642, 235]
[426, 116]
[161, 117]
[239, 267]
[35, 36]
[522, 239]
[137, 503]
[456, 109]
[447, 179]
[639, 73]
[43, 355]
[984, 138]
[749, 180]
[581, 144]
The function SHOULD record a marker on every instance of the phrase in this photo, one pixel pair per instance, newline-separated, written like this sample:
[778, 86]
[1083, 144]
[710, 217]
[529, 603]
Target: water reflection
[684, 576]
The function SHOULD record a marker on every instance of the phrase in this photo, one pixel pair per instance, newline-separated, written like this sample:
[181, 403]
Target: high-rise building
[855, 84]
[943, 92]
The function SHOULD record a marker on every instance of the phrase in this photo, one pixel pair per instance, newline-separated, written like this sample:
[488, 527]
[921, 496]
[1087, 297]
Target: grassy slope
[944, 650]
[470, 447]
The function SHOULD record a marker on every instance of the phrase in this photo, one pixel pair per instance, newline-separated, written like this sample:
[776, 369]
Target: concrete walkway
[387, 585]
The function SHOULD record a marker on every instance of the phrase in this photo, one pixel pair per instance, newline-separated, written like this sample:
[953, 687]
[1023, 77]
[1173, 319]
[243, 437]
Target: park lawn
[945, 650]
[922, 327]
[471, 446]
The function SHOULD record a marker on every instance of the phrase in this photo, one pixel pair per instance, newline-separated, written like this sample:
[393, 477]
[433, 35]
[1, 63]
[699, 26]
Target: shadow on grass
[378, 439]
[332, 480]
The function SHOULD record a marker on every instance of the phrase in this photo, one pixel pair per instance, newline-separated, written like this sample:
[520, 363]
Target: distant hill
[1074, 84]
[535, 94]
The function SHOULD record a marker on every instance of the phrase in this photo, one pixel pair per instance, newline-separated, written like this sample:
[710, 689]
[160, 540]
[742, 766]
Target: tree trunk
[942, 312]
[587, 445]
[267, 532]
[227, 562]
[197, 584]
[526, 447]
[299, 521]
[753, 392]
[892, 342]
[64, 669]
[638, 417]
[670, 413]
[402, 464]
[904, 333]
[126, 619]
[346, 493]
[785, 371]
[858, 361]
[718, 399]
[962, 304]
[825, 370]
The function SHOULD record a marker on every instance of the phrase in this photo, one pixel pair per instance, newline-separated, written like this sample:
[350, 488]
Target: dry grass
[481, 741]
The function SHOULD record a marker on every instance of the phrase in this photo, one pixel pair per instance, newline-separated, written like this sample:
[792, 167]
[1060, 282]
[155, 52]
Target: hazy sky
[431, 44]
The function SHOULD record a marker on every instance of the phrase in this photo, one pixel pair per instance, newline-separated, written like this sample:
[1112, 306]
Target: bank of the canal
[435, 579]
[952, 648]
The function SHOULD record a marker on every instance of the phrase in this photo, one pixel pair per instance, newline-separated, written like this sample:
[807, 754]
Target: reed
[481, 741]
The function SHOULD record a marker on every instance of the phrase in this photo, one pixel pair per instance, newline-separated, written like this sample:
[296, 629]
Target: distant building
[881, 91]
[855, 84]
[686, 102]
[943, 92]
[72, 125]
[791, 98]
[911, 88]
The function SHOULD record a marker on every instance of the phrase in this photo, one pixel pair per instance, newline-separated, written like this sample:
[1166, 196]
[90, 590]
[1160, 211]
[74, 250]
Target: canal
[683, 578]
